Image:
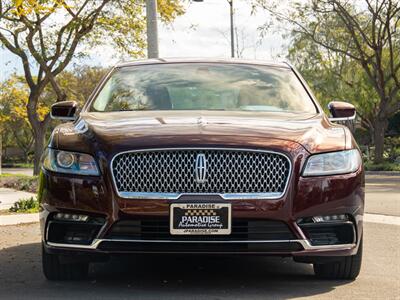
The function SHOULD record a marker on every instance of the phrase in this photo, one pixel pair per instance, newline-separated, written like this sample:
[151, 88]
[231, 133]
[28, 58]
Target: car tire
[347, 268]
[54, 270]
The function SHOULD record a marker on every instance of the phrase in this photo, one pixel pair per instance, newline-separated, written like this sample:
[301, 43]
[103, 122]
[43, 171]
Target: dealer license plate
[200, 218]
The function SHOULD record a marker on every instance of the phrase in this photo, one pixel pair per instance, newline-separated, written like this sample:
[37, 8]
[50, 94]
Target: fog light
[71, 217]
[331, 218]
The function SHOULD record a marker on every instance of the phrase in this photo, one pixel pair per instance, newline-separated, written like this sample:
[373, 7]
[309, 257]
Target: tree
[87, 78]
[334, 77]
[16, 130]
[366, 33]
[14, 94]
[243, 41]
[77, 83]
[47, 34]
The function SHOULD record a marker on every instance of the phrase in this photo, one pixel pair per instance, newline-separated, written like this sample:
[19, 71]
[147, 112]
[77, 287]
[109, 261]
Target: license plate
[200, 218]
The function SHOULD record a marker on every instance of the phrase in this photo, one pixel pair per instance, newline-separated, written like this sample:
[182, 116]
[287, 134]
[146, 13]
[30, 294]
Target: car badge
[200, 168]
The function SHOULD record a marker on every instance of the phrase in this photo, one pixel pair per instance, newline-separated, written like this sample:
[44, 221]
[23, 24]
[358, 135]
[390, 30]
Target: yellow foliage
[14, 96]
[170, 9]
[26, 7]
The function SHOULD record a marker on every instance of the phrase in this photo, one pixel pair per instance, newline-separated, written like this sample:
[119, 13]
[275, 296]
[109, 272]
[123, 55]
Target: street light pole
[152, 28]
[232, 29]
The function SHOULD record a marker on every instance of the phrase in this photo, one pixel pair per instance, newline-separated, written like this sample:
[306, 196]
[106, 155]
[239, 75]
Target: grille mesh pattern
[228, 172]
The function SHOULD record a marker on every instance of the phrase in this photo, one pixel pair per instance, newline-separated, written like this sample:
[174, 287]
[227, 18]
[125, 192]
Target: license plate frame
[211, 218]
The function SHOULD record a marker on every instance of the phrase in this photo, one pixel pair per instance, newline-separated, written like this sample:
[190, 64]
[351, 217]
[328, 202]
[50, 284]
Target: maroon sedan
[202, 156]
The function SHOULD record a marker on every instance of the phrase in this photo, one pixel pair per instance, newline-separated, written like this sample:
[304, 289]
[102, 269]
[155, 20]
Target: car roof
[202, 60]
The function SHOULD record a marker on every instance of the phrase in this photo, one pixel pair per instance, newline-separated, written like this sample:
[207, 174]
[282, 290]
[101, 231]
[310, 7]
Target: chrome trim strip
[92, 246]
[307, 246]
[305, 243]
[175, 196]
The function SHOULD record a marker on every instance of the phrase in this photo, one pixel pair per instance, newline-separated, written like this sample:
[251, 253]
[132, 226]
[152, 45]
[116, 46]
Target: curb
[19, 219]
[387, 173]
[381, 219]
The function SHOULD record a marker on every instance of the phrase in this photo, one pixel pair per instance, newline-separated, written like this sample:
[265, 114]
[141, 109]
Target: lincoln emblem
[200, 168]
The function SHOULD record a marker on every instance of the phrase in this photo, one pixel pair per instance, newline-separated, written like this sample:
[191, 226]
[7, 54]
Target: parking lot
[202, 277]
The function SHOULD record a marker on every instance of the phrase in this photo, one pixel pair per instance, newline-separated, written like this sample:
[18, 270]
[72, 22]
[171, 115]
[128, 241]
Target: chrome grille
[172, 172]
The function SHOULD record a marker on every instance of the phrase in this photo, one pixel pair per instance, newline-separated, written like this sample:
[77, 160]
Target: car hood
[122, 131]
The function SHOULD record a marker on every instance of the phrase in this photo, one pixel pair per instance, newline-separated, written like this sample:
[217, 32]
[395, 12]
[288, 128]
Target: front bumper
[305, 197]
[268, 237]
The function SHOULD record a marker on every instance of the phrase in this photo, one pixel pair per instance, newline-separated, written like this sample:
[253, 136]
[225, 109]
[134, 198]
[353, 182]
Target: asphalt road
[383, 195]
[202, 277]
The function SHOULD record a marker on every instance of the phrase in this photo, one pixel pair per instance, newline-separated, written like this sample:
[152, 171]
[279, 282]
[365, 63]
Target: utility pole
[152, 29]
[232, 29]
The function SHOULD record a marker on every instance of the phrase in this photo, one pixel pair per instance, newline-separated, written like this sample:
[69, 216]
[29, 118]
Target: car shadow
[164, 276]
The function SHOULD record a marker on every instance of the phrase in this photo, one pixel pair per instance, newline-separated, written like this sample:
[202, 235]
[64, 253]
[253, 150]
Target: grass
[28, 205]
[7, 175]
[19, 182]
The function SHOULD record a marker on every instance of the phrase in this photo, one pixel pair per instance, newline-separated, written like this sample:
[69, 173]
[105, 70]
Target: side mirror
[341, 111]
[64, 110]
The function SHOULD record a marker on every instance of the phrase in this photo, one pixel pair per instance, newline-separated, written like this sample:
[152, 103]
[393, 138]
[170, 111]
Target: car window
[201, 86]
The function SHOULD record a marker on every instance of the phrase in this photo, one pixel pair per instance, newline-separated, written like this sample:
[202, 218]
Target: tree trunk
[39, 135]
[38, 128]
[379, 139]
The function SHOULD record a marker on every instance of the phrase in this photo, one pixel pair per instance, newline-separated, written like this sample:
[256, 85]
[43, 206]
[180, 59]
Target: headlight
[69, 162]
[334, 163]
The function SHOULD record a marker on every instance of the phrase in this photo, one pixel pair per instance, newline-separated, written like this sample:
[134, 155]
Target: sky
[203, 31]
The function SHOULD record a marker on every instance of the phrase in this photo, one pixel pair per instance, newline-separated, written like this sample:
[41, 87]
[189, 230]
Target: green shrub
[29, 205]
[392, 148]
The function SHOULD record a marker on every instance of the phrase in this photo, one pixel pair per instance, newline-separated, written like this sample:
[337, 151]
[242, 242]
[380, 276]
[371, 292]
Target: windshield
[203, 86]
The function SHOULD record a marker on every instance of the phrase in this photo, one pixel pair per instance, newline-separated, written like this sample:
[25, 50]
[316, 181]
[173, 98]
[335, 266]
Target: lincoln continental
[216, 157]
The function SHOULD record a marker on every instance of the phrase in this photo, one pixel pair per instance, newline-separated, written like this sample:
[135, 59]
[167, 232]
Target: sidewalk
[9, 196]
[19, 171]
[16, 219]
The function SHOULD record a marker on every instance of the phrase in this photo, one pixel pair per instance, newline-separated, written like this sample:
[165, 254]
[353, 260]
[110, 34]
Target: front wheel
[347, 268]
[53, 269]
